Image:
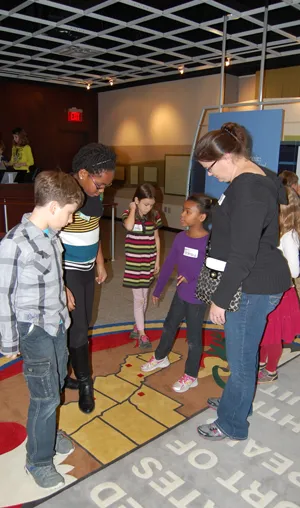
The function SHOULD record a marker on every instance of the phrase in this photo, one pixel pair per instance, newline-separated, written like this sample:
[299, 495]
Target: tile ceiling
[127, 42]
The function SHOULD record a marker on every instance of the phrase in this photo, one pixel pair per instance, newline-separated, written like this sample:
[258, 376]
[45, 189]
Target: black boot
[81, 366]
[71, 383]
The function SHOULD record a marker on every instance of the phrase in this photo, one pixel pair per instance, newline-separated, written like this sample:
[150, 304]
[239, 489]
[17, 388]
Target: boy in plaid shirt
[34, 315]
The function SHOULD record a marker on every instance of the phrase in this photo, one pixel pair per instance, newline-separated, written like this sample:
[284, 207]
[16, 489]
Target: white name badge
[84, 217]
[190, 253]
[221, 199]
[137, 227]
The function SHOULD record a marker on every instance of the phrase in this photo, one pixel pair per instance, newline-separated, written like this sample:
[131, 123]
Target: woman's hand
[155, 300]
[181, 279]
[217, 314]
[156, 268]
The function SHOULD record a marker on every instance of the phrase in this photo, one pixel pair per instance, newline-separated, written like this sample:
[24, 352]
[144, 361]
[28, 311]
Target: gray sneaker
[45, 477]
[64, 445]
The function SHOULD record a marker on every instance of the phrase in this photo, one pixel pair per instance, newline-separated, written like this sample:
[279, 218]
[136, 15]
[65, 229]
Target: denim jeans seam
[244, 330]
[34, 420]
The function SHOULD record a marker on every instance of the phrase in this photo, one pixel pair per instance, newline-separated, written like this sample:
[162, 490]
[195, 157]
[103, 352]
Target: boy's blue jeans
[45, 368]
[243, 333]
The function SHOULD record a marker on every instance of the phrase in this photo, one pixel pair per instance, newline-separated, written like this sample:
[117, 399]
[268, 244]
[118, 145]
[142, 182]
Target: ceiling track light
[227, 62]
[181, 69]
[88, 86]
[111, 81]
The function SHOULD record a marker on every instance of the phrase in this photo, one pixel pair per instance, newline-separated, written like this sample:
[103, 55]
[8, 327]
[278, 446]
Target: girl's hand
[156, 268]
[181, 279]
[155, 300]
[132, 206]
[70, 300]
[101, 274]
[217, 314]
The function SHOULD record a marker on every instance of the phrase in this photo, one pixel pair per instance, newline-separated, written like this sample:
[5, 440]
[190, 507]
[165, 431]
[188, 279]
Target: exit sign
[75, 115]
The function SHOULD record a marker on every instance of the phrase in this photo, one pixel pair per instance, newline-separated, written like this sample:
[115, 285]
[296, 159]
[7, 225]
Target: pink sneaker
[155, 364]
[134, 334]
[185, 383]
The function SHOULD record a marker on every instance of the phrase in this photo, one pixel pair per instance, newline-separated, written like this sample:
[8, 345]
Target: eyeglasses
[211, 166]
[100, 187]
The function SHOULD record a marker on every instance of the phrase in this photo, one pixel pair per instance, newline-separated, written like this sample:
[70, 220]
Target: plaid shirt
[31, 283]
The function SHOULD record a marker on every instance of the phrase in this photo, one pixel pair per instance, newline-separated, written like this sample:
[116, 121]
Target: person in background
[34, 316]
[284, 321]
[2, 158]
[21, 157]
[93, 169]
[187, 253]
[142, 253]
[244, 237]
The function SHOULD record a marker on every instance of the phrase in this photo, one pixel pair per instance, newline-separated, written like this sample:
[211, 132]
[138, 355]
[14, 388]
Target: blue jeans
[45, 368]
[243, 332]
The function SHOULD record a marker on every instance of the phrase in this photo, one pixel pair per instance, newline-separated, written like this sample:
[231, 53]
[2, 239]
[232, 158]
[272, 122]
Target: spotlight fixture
[111, 81]
[181, 69]
[88, 86]
[227, 62]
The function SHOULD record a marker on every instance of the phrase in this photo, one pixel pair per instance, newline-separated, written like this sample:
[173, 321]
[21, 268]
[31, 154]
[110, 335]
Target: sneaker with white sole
[185, 383]
[63, 445]
[45, 477]
[155, 364]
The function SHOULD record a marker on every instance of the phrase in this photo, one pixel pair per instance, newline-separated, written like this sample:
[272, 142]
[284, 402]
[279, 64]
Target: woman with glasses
[93, 168]
[244, 241]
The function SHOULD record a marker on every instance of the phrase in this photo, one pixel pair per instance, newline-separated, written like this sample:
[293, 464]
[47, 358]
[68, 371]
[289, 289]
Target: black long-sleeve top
[245, 234]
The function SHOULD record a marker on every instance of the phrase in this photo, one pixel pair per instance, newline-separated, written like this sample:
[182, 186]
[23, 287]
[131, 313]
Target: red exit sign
[75, 115]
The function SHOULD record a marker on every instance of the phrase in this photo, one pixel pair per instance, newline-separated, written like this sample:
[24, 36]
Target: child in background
[21, 156]
[2, 159]
[284, 322]
[142, 251]
[34, 316]
[93, 169]
[187, 253]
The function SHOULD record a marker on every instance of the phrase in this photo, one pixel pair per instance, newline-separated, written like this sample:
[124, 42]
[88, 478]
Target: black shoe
[81, 365]
[86, 396]
[71, 384]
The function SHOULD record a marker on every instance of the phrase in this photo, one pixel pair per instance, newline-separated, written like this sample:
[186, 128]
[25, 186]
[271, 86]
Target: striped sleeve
[158, 221]
[125, 215]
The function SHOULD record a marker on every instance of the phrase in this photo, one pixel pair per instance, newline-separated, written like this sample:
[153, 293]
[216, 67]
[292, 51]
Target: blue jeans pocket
[274, 300]
[38, 378]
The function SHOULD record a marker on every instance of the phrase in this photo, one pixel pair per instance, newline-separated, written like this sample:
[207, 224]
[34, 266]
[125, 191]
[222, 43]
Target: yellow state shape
[131, 370]
[209, 363]
[132, 423]
[114, 387]
[158, 406]
[105, 443]
[71, 418]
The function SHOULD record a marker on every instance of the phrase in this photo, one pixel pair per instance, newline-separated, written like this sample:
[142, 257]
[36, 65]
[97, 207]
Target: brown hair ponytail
[231, 138]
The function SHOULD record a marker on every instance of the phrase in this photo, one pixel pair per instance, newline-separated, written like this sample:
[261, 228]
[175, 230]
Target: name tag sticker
[137, 227]
[221, 199]
[84, 217]
[190, 253]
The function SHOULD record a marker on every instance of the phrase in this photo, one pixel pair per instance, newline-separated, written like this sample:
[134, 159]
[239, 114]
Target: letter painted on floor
[211, 460]
[180, 447]
[229, 484]
[115, 493]
[256, 498]
[279, 464]
[145, 463]
[169, 486]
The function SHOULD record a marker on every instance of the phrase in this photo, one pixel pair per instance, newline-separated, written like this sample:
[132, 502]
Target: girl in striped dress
[142, 250]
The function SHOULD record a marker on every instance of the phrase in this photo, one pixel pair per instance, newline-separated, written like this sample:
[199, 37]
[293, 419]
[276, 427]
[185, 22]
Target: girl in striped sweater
[142, 251]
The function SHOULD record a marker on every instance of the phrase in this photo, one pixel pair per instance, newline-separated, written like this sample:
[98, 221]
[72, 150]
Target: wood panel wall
[42, 111]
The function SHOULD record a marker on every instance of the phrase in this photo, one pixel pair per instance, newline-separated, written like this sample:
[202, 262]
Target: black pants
[82, 285]
[194, 315]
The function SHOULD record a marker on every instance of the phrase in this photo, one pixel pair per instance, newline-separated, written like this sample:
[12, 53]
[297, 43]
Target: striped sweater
[81, 238]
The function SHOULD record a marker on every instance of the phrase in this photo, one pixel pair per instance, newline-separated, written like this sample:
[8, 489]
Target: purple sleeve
[166, 269]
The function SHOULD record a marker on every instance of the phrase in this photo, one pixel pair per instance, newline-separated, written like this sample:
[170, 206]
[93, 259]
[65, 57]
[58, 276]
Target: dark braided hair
[95, 158]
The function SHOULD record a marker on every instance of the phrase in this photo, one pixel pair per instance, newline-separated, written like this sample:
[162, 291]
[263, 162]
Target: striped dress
[140, 252]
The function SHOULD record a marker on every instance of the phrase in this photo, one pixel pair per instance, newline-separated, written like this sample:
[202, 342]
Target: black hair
[17, 130]
[203, 203]
[94, 158]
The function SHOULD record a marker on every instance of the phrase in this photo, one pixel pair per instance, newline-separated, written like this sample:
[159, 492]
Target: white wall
[159, 114]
